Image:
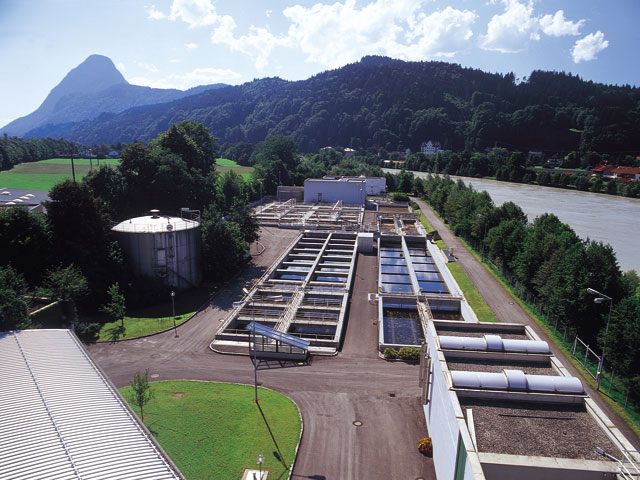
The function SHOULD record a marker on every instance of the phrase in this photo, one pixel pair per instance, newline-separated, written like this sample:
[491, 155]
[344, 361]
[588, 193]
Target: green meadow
[45, 174]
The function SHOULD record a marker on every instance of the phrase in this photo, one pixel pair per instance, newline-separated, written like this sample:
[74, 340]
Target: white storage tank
[164, 248]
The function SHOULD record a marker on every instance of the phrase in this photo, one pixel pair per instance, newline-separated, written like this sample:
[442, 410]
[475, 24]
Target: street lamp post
[600, 298]
[255, 355]
[259, 461]
[173, 307]
[485, 232]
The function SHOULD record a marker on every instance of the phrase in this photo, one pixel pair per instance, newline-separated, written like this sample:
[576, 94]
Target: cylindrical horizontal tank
[163, 248]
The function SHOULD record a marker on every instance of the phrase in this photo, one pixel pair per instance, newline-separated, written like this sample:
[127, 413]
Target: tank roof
[155, 224]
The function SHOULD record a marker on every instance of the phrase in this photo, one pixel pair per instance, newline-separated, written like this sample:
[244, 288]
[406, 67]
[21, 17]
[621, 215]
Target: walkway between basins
[332, 392]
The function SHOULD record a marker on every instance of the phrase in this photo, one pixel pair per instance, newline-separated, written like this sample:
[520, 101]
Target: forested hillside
[397, 105]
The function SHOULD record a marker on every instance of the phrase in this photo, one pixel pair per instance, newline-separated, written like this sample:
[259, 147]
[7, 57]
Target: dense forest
[397, 105]
[14, 150]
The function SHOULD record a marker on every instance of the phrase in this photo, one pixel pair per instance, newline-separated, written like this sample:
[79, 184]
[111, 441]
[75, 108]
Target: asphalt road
[507, 310]
[331, 392]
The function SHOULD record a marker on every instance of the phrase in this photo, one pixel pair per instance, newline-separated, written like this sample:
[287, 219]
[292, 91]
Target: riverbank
[606, 218]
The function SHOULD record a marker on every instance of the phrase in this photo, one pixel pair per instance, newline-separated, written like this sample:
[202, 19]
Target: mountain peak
[96, 73]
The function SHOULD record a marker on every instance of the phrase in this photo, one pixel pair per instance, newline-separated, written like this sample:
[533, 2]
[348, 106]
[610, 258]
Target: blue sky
[184, 43]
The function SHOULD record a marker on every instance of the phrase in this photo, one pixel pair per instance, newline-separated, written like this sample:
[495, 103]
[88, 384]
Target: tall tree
[66, 284]
[14, 308]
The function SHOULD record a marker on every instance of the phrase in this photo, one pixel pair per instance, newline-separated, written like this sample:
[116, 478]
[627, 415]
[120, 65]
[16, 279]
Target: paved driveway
[507, 310]
[332, 392]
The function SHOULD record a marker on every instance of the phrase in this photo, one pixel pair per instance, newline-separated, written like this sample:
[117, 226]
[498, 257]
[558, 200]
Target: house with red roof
[603, 170]
[629, 173]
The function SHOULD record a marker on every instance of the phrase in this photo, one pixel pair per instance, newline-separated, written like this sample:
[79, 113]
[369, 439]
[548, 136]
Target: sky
[184, 43]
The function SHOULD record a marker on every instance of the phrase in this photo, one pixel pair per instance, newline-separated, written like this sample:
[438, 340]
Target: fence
[617, 388]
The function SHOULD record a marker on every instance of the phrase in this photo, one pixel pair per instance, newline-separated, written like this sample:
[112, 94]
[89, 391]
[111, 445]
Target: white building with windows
[431, 148]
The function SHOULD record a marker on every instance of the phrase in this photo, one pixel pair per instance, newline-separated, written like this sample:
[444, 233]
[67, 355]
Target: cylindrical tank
[163, 248]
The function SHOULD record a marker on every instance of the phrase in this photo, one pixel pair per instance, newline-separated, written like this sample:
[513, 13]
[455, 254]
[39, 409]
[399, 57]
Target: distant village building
[627, 173]
[603, 170]
[114, 154]
[349, 152]
[431, 148]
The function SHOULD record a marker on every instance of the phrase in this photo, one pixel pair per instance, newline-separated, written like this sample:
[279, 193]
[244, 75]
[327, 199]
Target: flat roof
[61, 418]
[518, 428]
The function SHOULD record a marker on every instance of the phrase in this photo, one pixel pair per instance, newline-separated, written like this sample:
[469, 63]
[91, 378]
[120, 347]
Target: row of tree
[549, 260]
[14, 150]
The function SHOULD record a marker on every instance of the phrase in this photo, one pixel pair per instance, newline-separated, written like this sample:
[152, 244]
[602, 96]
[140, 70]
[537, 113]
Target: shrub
[409, 354]
[400, 197]
[390, 353]
[425, 446]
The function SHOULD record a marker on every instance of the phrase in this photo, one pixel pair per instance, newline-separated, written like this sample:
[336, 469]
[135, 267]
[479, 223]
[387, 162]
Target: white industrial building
[499, 404]
[62, 418]
[349, 190]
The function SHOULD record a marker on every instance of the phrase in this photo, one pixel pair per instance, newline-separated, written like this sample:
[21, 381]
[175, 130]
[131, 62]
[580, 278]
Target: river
[610, 219]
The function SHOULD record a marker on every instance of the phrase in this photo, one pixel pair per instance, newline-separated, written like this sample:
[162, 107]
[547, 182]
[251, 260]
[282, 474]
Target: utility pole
[73, 168]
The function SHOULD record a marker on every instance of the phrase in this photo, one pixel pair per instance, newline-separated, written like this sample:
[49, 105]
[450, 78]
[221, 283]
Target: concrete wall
[286, 193]
[444, 418]
[375, 185]
[350, 192]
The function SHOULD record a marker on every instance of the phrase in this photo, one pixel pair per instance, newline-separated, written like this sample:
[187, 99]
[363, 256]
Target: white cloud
[511, 31]
[588, 47]
[268, 13]
[183, 81]
[197, 13]
[174, 60]
[258, 44]
[191, 45]
[155, 14]
[441, 34]
[149, 67]
[558, 26]
[121, 67]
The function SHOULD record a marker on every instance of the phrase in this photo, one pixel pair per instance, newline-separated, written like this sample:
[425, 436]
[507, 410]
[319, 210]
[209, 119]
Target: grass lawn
[476, 302]
[82, 161]
[45, 174]
[225, 162]
[144, 321]
[215, 430]
[223, 165]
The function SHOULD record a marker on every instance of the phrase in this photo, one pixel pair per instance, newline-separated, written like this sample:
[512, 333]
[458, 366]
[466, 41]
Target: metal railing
[290, 311]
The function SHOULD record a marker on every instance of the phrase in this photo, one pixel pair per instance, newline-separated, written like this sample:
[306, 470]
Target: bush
[409, 354]
[400, 197]
[425, 446]
[390, 353]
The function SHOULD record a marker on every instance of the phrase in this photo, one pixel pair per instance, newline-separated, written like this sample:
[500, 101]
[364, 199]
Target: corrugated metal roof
[269, 332]
[60, 418]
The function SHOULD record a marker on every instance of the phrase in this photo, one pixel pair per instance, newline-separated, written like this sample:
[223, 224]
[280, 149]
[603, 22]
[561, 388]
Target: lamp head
[260, 459]
[591, 291]
[599, 300]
